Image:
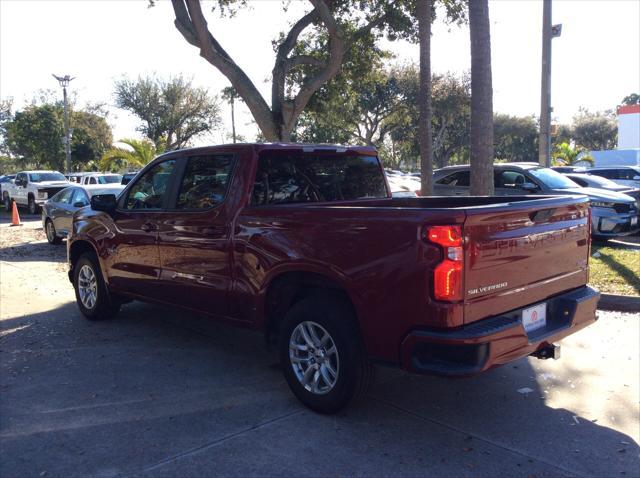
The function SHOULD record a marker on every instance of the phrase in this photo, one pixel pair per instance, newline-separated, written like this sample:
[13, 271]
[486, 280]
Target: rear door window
[460, 178]
[299, 178]
[205, 181]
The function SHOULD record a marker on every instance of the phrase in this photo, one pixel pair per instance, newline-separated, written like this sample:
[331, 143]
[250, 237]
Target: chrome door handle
[148, 227]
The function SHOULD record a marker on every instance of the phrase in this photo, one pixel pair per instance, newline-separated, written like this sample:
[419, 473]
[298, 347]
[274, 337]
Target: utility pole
[64, 82]
[549, 31]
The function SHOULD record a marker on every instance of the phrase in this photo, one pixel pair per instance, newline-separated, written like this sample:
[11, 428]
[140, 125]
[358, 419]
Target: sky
[595, 63]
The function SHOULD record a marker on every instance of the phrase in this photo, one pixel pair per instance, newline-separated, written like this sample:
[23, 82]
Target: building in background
[628, 152]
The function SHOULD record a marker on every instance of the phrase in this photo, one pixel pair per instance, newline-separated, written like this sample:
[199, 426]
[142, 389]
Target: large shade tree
[341, 22]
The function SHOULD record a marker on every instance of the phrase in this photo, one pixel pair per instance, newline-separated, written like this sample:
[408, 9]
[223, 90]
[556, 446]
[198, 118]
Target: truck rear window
[298, 178]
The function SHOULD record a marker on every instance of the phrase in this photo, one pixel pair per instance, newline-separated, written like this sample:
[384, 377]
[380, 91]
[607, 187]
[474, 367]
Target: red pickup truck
[306, 243]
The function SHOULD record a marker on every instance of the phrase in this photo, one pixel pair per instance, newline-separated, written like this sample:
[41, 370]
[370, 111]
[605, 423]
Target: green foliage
[515, 138]
[632, 99]
[91, 138]
[595, 131]
[173, 110]
[566, 155]
[35, 136]
[139, 153]
[450, 103]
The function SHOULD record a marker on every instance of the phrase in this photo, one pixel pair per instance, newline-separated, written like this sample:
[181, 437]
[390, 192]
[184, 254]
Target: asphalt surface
[157, 392]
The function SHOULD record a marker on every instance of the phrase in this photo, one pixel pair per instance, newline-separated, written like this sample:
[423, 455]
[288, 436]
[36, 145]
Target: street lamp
[64, 82]
[549, 32]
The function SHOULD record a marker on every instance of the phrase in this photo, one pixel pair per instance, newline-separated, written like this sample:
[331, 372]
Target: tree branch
[190, 21]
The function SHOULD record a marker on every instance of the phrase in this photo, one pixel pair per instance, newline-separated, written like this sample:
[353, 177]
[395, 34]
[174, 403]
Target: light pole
[64, 82]
[549, 31]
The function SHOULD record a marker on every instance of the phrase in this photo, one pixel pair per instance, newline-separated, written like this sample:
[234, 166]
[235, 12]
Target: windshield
[39, 177]
[552, 179]
[111, 179]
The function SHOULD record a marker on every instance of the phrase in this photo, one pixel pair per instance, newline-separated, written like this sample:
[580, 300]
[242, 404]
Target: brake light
[447, 276]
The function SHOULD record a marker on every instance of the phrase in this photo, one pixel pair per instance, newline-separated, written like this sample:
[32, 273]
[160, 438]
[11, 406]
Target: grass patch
[616, 270]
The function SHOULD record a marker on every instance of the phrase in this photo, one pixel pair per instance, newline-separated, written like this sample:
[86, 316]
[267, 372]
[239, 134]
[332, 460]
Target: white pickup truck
[33, 188]
[86, 179]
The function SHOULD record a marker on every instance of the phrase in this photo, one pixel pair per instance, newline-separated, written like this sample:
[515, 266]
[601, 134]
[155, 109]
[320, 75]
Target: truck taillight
[447, 276]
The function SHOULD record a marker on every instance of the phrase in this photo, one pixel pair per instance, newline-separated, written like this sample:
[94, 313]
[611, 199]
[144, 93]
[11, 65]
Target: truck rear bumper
[497, 340]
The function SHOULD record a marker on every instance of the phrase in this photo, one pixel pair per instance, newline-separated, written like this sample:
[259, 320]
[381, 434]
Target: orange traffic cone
[15, 217]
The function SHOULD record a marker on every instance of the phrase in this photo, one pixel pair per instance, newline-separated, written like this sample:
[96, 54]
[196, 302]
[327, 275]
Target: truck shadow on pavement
[164, 393]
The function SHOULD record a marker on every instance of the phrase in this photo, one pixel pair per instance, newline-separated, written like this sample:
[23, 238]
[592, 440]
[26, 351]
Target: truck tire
[50, 231]
[322, 354]
[92, 296]
[7, 203]
[33, 206]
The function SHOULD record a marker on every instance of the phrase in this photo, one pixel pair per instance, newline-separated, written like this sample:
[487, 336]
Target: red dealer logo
[534, 316]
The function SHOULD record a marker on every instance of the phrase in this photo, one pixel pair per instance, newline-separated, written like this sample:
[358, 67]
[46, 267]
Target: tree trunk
[481, 99]
[423, 13]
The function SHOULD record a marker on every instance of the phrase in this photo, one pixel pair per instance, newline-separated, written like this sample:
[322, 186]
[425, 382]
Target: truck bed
[517, 250]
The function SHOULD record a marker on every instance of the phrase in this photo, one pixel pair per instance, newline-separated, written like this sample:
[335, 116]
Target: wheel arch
[289, 287]
[79, 247]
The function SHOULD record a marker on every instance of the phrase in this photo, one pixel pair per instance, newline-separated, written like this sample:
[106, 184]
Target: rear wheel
[92, 296]
[323, 358]
[50, 231]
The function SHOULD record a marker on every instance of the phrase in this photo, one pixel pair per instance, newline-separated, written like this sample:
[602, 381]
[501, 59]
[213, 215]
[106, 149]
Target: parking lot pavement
[158, 392]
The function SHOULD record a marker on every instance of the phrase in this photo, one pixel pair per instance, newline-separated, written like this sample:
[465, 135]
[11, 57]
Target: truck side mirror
[104, 202]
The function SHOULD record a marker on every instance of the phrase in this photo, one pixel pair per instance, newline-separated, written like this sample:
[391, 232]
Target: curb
[619, 303]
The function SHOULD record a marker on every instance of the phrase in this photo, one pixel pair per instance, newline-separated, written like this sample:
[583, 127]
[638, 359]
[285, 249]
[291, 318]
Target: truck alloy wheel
[87, 287]
[314, 357]
[322, 355]
[92, 297]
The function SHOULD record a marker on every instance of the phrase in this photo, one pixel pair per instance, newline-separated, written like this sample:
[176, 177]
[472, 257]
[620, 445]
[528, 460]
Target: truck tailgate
[522, 253]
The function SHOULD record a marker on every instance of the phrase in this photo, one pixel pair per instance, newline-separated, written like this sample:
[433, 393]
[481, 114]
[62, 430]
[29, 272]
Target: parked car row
[33, 189]
[615, 207]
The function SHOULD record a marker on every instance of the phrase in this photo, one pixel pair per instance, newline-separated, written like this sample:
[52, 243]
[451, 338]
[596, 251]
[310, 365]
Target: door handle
[148, 227]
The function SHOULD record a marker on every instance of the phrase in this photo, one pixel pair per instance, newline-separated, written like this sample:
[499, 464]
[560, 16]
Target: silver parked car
[624, 175]
[613, 214]
[57, 212]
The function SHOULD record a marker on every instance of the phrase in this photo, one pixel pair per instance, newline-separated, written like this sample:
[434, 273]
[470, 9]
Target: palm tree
[481, 99]
[566, 155]
[423, 14]
[230, 94]
[139, 153]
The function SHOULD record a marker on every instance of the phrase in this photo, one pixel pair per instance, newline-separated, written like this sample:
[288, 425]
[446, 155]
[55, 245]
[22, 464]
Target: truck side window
[205, 181]
[150, 189]
[300, 178]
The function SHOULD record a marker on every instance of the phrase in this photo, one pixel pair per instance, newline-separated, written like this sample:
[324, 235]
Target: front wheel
[322, 354]
[33, 206]
[7, 203]
[92, 296]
